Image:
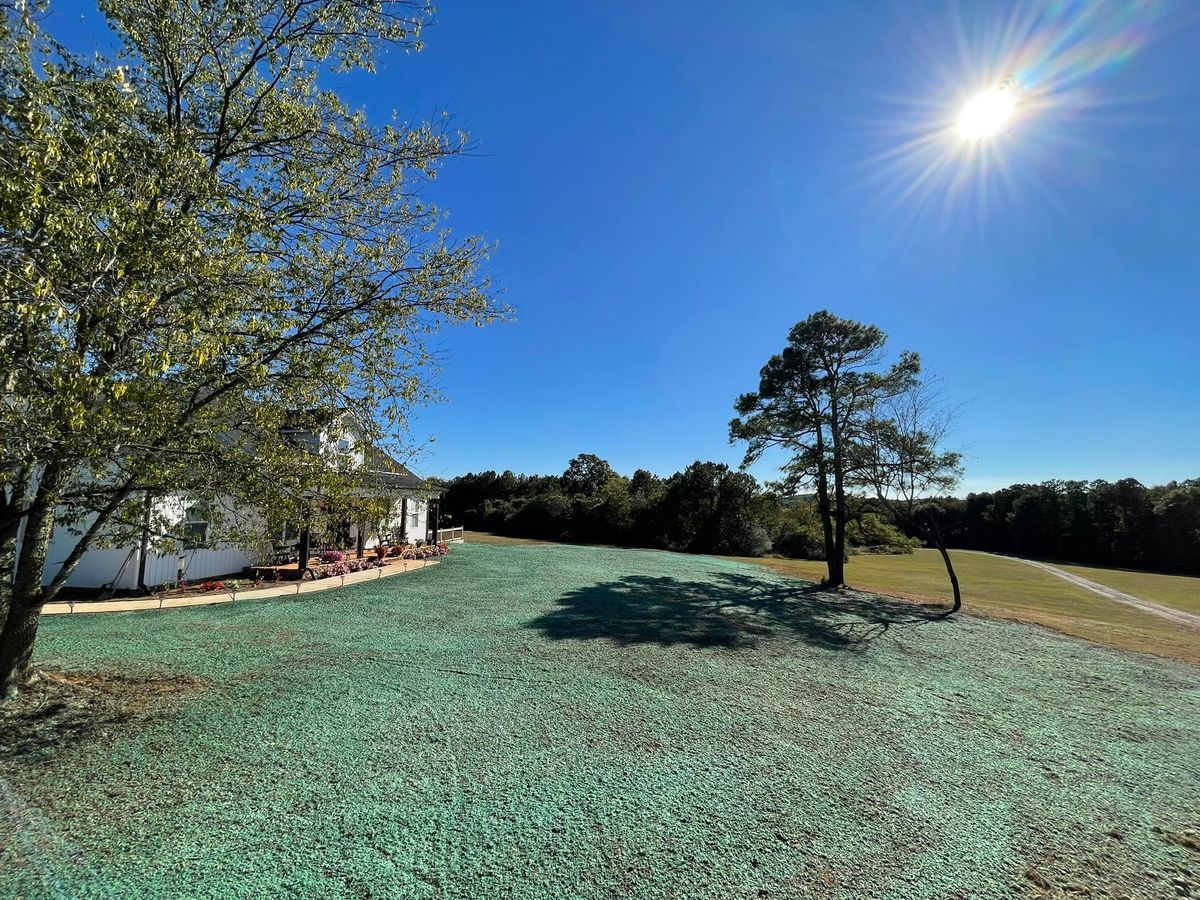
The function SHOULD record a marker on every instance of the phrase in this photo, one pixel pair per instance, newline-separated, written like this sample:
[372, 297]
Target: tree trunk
[826, 512]
[8, 562]
[20, 626]
[16, 646]
[144, 545]
[937, 542]
[837, 562]
[12, 507]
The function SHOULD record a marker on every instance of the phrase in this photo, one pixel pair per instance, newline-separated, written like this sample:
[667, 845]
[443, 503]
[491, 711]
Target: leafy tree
[815, 401]
[607, 516]
[646, 491]
[196, 241]
[586, 474]
[708, 508]
[799, 533]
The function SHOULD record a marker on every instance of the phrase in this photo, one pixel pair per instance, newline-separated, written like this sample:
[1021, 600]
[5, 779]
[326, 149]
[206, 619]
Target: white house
[140, 566]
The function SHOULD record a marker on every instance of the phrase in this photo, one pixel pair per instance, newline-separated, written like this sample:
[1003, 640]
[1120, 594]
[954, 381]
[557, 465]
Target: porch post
[144, 546]
[362, 538]
[303, 564]
[435, 512]
[404, 520]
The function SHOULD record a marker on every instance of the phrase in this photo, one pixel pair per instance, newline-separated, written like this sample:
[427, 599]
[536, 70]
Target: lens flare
[985, 114]
[1039, 75]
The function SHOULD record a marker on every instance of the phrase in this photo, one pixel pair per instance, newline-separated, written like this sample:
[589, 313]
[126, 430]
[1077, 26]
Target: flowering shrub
[425, 551]
[333, 556]
[346, 566]
[212, 585]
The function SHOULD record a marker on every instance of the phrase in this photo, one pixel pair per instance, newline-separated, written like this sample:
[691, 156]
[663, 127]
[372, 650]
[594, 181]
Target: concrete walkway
[288, 589]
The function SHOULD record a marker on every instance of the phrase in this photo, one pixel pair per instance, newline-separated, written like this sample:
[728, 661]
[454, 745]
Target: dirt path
[1156, 609]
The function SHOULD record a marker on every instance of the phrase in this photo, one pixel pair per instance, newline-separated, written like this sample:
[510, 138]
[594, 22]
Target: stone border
[289, 589]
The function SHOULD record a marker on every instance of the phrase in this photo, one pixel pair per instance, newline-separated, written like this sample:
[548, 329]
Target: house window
[343, 445]
[195, 527]
[414, 518]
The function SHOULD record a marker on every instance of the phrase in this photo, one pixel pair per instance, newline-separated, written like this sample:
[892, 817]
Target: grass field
[1005, 588]
[1178, 591]
[553, 721]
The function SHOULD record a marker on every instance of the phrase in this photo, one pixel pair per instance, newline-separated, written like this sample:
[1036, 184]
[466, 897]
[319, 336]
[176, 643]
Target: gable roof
[392, 473]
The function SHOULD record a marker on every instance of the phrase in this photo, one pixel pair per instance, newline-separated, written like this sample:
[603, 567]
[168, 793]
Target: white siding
[118, 566]
[199, 565]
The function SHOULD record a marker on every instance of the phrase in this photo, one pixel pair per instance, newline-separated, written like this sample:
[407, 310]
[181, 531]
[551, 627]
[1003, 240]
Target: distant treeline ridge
[711, 508]
[1122, 524]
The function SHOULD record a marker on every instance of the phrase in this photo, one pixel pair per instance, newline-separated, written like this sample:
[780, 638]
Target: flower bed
[426, 551]
[332, 568]
[411, 551]
[207, 586]
[334, 563]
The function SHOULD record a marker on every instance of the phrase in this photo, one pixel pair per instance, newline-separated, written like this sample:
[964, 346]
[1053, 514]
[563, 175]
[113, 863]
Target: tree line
[1121, 524]
[706, 508]
[711, 508]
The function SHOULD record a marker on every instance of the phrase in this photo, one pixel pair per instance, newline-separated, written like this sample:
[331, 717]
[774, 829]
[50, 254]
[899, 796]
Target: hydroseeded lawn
[553, 721]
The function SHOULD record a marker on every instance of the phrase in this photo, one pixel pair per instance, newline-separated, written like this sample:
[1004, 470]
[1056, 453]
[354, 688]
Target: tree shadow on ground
[59, 710]
[729, 610]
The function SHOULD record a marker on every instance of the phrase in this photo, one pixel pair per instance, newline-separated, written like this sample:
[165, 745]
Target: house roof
[392, 473]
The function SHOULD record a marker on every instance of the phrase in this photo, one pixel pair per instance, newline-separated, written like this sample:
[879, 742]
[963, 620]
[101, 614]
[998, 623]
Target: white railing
[451, 535]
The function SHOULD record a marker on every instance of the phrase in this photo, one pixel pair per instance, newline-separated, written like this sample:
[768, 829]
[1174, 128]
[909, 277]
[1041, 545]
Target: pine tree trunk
[837, 573]
[826, 512]
[837, 562]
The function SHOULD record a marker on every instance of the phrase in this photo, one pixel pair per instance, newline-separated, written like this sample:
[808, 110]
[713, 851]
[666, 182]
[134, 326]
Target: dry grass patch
[1006, 589]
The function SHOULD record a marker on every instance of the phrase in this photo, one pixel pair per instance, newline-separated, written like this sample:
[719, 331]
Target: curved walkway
[1155, 609]
[141, 604]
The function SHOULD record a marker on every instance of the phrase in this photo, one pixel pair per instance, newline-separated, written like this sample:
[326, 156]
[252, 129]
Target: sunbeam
[1023, 88]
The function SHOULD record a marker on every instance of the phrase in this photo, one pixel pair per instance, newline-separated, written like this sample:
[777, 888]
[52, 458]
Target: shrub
[800, 545]
[872, 534]
[332, 556]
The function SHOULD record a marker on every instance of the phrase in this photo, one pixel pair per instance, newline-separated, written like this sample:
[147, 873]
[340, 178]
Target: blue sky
[672, 185]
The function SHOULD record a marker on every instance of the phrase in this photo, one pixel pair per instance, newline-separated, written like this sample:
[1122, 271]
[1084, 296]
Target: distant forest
[1122, 524]
[711, 508]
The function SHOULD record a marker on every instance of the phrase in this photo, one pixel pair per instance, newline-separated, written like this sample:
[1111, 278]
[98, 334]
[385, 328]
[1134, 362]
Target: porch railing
[449, 535]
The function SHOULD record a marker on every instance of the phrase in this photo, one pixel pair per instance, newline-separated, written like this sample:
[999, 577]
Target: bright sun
[986, 114]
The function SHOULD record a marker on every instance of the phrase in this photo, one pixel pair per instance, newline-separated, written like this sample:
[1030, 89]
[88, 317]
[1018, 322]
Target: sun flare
[986, 114]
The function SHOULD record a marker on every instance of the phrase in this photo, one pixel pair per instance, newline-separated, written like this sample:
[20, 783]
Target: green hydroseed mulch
[552, 722]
